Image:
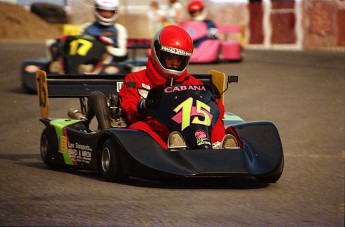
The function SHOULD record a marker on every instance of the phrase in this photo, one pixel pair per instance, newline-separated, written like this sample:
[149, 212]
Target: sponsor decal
[184, 88]
[176, 51]
[81, 152]
[118, 86]
[131, 84]
[63, 144]
[201, 137]
[200, 134]
[146, 86]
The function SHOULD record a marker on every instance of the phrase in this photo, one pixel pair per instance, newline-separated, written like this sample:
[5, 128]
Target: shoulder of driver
[121, 29]
[190, 79]
[136, 80]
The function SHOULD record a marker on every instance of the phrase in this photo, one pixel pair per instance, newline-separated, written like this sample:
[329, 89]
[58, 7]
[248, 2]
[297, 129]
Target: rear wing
[80, 86]
[76, 86]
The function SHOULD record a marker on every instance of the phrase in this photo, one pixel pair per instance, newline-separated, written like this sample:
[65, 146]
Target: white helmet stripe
[176, 51]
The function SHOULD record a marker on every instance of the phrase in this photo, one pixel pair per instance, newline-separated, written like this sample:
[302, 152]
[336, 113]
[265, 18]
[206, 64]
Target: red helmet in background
[195, 6]
[196, 9]
[171, 42]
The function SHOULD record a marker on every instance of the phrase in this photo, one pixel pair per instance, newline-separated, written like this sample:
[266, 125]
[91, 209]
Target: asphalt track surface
[301, 92]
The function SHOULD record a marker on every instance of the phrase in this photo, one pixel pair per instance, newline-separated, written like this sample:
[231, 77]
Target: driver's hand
[142, 106]
[106, 40]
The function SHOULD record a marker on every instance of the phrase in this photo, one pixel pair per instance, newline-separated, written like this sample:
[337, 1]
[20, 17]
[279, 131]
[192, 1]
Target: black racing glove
[141, 106]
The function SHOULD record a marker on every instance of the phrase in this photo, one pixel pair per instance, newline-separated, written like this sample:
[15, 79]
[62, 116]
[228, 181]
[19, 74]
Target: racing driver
[106, 12]
[198, 12]
[171, 49]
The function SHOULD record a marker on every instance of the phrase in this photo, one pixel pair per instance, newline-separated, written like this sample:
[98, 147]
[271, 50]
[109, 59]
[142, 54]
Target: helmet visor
[105, 10]
[174, 61]
[172, 58]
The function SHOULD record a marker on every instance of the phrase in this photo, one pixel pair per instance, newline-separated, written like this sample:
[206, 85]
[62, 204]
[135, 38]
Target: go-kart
[79, 54]
[119, 152]
[221, 47]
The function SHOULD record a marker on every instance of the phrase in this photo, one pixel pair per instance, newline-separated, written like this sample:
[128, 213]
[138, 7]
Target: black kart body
[119, 153]
[141, 156]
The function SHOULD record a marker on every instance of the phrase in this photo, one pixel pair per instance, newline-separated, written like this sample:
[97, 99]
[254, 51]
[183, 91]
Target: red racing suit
[147, 79]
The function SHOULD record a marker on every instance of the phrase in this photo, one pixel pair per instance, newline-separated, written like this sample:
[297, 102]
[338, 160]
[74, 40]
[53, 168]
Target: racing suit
[117, 33]
[147, 79]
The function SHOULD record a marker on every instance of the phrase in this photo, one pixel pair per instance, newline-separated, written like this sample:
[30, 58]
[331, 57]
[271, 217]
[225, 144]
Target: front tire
[110, 163]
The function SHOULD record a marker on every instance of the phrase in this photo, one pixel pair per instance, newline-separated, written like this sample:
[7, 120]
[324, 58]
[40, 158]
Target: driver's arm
[122, 36]
[218, 131]
[130, 98]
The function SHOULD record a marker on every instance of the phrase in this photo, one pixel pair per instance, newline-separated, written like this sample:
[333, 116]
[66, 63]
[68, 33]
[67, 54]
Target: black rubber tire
[49, 146]
[49, 12]
[110, 163]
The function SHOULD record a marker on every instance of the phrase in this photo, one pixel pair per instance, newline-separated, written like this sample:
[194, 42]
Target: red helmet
[172, 41]
[195, 6]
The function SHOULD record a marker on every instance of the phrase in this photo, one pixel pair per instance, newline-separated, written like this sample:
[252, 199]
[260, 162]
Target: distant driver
[106, 12]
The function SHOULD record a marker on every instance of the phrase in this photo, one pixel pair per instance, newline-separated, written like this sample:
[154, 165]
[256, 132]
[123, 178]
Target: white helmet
[108, 5]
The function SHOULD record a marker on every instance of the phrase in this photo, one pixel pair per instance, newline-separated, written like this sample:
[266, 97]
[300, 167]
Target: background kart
[119, 153]
[225, 47]
[76, 54]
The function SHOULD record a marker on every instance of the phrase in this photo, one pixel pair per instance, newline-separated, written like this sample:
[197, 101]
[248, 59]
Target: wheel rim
[44, 146]
[105, 159]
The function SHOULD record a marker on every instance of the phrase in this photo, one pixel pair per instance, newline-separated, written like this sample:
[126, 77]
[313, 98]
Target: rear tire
[48, 146]
[110, 163]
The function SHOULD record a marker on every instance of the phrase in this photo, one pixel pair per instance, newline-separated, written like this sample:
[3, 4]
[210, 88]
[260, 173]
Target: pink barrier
[230, 49]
